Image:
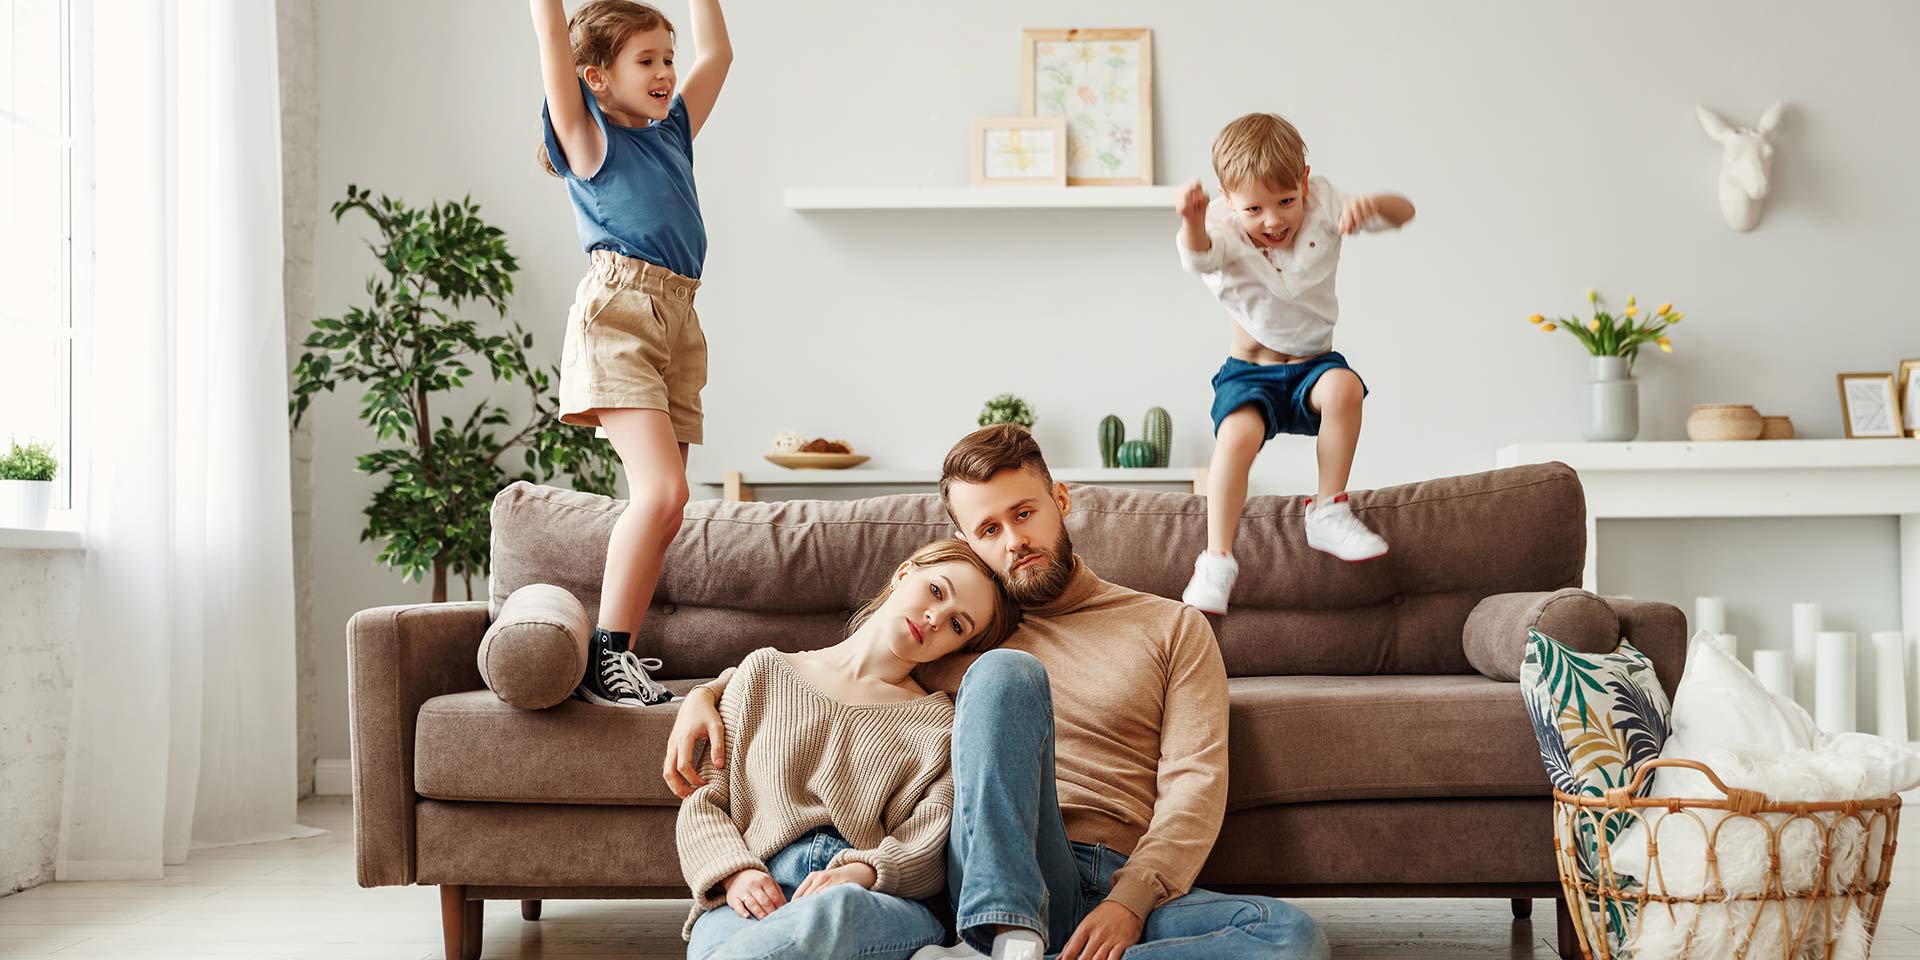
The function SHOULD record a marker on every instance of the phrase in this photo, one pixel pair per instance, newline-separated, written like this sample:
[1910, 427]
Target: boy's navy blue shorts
[1280, 390]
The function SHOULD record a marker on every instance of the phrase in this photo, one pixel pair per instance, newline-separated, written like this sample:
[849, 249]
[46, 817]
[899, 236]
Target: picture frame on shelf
[1019, 152]
[1908, 383]
[1870, 405]
[1101, 83]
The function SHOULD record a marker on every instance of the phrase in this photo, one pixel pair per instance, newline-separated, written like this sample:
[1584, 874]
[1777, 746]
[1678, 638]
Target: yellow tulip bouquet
[1605, 335]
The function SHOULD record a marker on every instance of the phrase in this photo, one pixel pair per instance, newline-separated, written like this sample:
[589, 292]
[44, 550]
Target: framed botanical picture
[1870, 405]
[1019, 151]
[1907, 380]
[1101, 83]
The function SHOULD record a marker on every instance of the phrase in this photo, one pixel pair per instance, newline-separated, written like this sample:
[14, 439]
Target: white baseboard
[332, 778]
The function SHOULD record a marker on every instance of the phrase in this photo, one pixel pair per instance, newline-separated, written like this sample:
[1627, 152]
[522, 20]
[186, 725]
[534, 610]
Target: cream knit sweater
[797, 760]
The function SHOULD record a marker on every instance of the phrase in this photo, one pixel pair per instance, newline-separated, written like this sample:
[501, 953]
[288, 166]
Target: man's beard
[1043, 582]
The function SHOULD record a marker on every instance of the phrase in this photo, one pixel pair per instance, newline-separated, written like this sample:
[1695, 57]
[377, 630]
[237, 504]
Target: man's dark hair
[987, 451]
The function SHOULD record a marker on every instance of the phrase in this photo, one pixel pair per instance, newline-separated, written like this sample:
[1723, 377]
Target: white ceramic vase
[1613, 403]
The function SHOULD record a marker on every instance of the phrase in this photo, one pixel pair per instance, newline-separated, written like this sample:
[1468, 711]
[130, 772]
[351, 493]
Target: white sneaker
[1212, 583]
[1012, 945]
[1332, 528]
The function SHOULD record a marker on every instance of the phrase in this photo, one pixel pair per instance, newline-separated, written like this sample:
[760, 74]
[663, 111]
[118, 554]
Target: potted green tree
[406, 349]
[26, 485]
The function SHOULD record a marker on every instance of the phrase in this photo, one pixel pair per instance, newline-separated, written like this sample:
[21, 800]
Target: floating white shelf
[982, 198]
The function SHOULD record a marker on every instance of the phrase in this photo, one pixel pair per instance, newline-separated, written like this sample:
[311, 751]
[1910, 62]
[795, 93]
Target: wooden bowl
[1776, 428]
[1724, 421]
[818, 461]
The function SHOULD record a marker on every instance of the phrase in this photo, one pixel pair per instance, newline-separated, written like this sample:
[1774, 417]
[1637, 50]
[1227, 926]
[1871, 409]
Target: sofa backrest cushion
[745, 575]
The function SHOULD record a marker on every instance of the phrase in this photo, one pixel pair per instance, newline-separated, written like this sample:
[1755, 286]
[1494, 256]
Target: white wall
[1550, 148]
[39, 615]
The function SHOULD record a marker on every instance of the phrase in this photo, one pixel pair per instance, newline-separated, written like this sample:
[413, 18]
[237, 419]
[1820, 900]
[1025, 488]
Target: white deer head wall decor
[1746, 160]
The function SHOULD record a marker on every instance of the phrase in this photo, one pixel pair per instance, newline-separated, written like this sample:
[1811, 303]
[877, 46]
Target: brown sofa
[1374, 752]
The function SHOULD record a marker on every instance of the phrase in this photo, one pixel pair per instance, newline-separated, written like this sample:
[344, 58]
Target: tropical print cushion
[1598, 717]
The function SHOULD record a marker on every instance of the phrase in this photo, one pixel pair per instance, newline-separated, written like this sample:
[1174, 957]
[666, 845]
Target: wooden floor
[297, 899]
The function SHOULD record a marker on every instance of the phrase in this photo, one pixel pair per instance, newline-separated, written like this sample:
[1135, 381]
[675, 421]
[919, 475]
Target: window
[36, 230]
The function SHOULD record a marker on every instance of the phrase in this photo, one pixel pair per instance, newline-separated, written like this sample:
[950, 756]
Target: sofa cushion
[535, 652]
[1301, 739]
[1495, 636]
[745, 575]
[1292, 739]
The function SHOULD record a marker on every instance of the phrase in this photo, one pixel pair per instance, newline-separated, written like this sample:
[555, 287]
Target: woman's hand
[856, 873]
[698, 719]
[752, 893]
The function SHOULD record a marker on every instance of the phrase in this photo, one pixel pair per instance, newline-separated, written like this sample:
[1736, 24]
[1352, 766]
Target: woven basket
[1847, 887]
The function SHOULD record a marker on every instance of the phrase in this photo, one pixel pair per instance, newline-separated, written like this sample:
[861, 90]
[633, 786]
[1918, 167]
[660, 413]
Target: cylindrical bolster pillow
[534, 655]
[1496, 630]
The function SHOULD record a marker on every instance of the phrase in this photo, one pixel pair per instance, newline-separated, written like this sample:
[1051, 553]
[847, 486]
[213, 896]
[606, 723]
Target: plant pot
[1613, 403]
[1776, 428]
[1713, 422]
[24, 503]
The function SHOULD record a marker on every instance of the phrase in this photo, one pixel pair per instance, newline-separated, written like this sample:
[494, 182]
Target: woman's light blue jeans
[843, 921]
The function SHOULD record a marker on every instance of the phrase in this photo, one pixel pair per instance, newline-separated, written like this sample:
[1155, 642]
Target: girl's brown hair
[1000, 623]
[597, 32]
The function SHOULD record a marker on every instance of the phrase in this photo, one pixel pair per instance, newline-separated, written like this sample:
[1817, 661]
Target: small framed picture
[1020, 151]
[1870, 405]
[1908, 381]
[1101, 82]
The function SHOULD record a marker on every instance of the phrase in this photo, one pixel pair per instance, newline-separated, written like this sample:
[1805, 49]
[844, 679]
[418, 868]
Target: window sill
[62, 532]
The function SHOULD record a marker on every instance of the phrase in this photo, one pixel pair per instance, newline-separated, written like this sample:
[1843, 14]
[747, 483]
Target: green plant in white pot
[26, 485]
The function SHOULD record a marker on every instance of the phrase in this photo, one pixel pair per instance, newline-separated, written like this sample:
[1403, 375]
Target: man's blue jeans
[1009, 861]
[845, 920]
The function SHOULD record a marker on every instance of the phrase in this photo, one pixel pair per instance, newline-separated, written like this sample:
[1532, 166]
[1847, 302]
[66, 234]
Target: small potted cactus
[26, 485]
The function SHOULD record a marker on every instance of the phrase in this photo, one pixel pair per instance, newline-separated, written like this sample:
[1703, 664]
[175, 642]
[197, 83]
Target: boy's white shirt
[1282, 297]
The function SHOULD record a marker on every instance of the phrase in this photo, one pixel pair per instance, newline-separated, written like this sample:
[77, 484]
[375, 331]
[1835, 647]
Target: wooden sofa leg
[1522, 908]
[453, 914]
[472, 920]
[529, 909]
[1569, 939]
[460, 922]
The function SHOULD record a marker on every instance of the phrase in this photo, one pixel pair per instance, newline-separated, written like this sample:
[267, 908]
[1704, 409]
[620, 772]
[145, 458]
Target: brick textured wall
[39, 614]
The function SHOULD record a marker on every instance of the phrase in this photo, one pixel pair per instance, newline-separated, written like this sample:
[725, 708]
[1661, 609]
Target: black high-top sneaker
[609, 680]
[649, 690]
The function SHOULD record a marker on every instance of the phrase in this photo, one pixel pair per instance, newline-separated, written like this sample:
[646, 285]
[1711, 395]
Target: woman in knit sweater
[830, 817]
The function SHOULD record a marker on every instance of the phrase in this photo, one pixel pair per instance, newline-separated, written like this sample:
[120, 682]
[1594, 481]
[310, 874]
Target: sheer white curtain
[183, 730]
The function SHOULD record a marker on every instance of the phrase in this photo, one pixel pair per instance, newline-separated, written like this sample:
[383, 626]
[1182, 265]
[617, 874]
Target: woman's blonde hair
[597, 32]
[1260, 148]
[1000, 622]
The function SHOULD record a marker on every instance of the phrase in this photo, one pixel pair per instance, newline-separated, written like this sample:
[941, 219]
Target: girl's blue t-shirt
[641, 203]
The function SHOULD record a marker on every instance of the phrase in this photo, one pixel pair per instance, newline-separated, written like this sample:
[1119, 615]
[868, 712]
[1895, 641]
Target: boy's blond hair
[1259, 148]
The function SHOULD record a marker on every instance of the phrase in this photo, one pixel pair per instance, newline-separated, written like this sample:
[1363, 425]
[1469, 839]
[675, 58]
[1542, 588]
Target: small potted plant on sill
[26, 485]
[1613, 406]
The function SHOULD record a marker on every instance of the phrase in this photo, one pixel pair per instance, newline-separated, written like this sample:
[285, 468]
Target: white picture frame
[1101, 83]
[1908, 381]
[1870, 405]
[1019, 152]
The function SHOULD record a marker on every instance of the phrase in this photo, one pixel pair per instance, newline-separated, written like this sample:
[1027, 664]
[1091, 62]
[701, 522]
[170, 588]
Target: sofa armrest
[1495, 636]
[1658, 630]
[397, 659]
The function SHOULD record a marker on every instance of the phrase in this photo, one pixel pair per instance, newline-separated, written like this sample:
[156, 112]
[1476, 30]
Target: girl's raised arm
[709, 72]
[573, 126]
